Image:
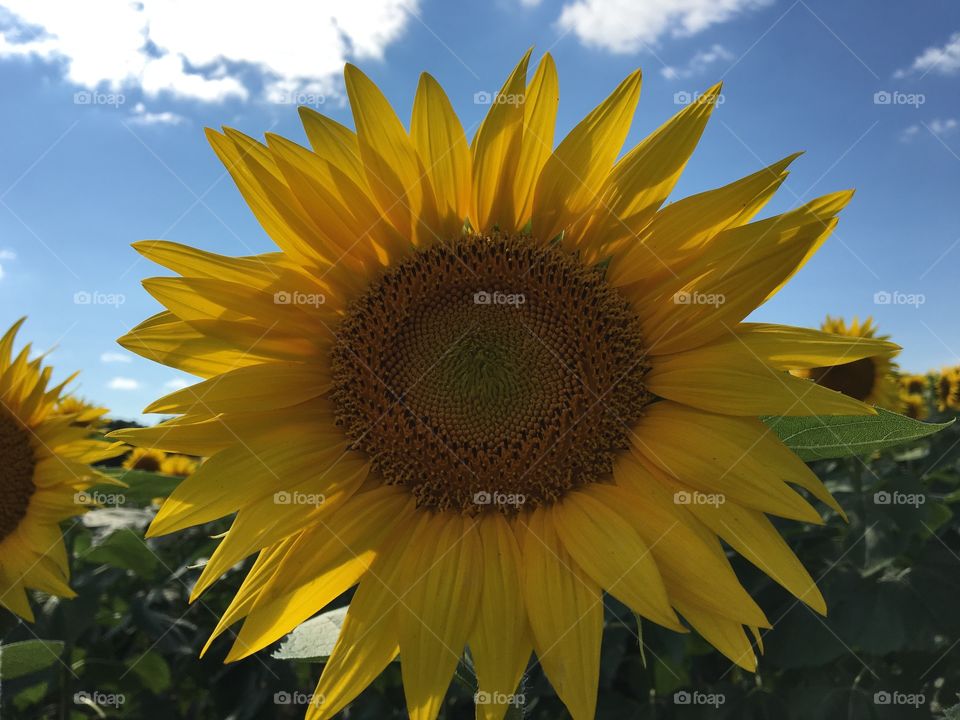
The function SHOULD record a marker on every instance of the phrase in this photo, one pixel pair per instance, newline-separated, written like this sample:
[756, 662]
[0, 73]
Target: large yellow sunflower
[487, 383]
[947, 389]
[44, 472]
[871, 379]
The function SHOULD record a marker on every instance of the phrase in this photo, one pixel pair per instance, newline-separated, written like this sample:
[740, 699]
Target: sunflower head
[872, 379]
[179, 465]
[494, 379]
[146, 459]
[914, 384]
[947, 389]
[914, 405]
[83, 413]
[45, 469]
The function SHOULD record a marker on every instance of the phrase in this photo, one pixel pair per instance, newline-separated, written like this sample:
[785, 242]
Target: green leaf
[142, 486]
[153, 671]
[314, 639]
[820, 438]
[22, 658]
[124, 549]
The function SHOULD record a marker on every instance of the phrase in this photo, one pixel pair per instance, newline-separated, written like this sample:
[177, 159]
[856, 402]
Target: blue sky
[102, 136]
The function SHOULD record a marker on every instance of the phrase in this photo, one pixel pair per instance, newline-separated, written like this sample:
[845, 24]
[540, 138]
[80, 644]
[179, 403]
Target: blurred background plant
[129, 645]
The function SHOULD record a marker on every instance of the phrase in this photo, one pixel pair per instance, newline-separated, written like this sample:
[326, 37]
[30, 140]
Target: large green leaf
[124, 549]
[820, 438]
[314, 639]
[22, 658]
[142, 486]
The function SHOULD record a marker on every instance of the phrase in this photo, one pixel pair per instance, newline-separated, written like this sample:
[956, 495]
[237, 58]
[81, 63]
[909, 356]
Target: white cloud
[626, 26]
[201, 50]
[123, 383]
[942, 60]
[115, 357]
[142, 117]
[176, 384]
[696, 65]
[4, 256]
[938, 127]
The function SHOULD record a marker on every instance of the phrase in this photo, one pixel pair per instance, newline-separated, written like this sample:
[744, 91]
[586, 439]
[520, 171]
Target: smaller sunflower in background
[43, 477]
[947, 387]
[914, 405]
[83, 413]
[146, 459]
[914, 384]
[179, 465]
[872, 380]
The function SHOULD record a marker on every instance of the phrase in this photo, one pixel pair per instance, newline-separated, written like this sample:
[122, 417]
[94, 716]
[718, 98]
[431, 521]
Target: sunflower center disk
[490, 375]
[16, 473]
[855, 379]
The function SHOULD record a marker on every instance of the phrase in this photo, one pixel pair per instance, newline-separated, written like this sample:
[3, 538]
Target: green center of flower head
[490, 374]
[855, 379]
[16, 473]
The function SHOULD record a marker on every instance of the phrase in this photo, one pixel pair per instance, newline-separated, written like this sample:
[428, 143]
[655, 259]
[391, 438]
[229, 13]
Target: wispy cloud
[176, 384]
[940, 128]
[4, 256]
[623, 27]
[141, 116]
[207, 51]
[115, 357]
[697, 64]
[123, 383]
[943, 60]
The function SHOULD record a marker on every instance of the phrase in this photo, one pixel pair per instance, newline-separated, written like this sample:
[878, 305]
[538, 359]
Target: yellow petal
[612, 552]
[724, 634]
[500, 640]
[565, 608]
[793, 348]
[729, 378]
[539, 120]
[438, 137]
[496, 154]
[334, 143]
[573, 175]
[394, 172]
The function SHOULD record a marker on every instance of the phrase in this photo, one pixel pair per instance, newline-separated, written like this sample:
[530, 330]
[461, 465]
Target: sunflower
[947, 388]
[871, 379]
[487, 382]
[44, 474]
[179, 465]
[914, 405]
[146, 459]
[914, 384]
[84, 413]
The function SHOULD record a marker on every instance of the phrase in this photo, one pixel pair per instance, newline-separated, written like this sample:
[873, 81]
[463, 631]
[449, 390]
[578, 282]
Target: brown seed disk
[16, 473]
[855, 379]
[490, 374]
